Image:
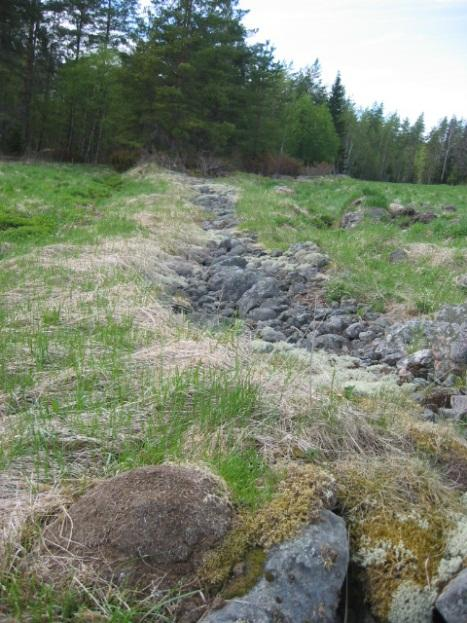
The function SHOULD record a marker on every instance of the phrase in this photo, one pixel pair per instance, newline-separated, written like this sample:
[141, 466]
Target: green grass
[44, 204]
[360, 256]
[76, 401]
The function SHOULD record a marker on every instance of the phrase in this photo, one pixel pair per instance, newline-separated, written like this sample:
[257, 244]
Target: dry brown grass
[434, 254]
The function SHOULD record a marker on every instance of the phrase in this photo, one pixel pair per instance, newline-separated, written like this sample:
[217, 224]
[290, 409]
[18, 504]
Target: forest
[96, 81]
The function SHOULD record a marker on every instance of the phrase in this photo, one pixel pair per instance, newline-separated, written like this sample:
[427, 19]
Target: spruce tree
[337, 106]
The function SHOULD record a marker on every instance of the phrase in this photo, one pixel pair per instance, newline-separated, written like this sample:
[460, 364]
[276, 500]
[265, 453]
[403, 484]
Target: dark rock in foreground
[302, 579]
[452, 603]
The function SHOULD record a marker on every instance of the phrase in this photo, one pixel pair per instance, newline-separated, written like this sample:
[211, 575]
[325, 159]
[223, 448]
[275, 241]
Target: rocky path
[280, 296]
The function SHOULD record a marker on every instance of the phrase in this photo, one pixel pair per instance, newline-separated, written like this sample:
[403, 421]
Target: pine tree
[338, 106]
[311, 135]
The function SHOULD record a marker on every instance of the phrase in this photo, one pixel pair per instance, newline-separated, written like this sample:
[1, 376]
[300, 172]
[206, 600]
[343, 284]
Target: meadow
[99, 375]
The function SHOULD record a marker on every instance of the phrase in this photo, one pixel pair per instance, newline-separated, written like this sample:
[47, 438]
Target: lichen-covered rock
[452, 603]
[154, 521]
[302, 579]
[411, 604]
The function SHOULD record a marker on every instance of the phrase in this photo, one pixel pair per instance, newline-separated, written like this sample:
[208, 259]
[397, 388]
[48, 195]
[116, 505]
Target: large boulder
[231, 282]
[301, 582]
[154, 521]
[452, 603]
[265, 288]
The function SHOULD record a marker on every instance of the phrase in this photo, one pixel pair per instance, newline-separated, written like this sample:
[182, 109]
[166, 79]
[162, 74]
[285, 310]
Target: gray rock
[366, 336]
[183, 268]
[418, 361]
[354, 330]
[308, 272]
[458, 352]
[232, 281]
[449, 414]
[233, 260]
[302, 579]
[456, 314]
[452, 603]
[336, 324]
[330, 342]
[461, 282]
[312, 258]
[263, 313]
[399, 255]
[300, 318]
[424, 217]
[320, 313]
[263, 289]
[459, 404]
[377, 214]
[268, 334]
[391, 358]
[352, 219]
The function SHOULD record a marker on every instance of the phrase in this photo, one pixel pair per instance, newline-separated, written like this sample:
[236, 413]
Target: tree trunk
[30, 73]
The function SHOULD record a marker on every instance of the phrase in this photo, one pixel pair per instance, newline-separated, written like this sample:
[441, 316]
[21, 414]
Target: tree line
[97, 81]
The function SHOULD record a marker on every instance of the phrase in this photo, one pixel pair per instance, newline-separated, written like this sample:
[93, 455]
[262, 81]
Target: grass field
[98, 375]
[361, 255]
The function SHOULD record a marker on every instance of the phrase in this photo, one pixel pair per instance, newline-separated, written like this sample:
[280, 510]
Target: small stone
[352, 219]
[458, 352]
[459, 404]
[424, 217]
[418, 361]
[268, 334]
[329, 342]
[399, 255]
[461, 282]
[397, 209]
[262, 313]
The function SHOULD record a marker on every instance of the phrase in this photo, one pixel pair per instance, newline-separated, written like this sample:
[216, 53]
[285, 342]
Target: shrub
[124, 159]
[275, 164]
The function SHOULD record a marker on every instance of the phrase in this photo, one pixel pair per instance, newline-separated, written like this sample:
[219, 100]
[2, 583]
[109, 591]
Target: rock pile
[281, 297]
[407, 215]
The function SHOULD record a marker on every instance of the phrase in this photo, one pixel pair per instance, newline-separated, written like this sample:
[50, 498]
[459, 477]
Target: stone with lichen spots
[302, 579]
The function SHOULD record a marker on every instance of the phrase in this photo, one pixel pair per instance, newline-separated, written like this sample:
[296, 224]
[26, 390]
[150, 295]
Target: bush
[275, 164]
[124, 159]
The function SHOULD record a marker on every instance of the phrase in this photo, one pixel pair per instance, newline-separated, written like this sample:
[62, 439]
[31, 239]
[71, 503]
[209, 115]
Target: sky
[409, 54]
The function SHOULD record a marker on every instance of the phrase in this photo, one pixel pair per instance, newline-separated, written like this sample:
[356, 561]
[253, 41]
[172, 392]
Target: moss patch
[246, 575]
[302, 494]
[398, 520]
[442, 447]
